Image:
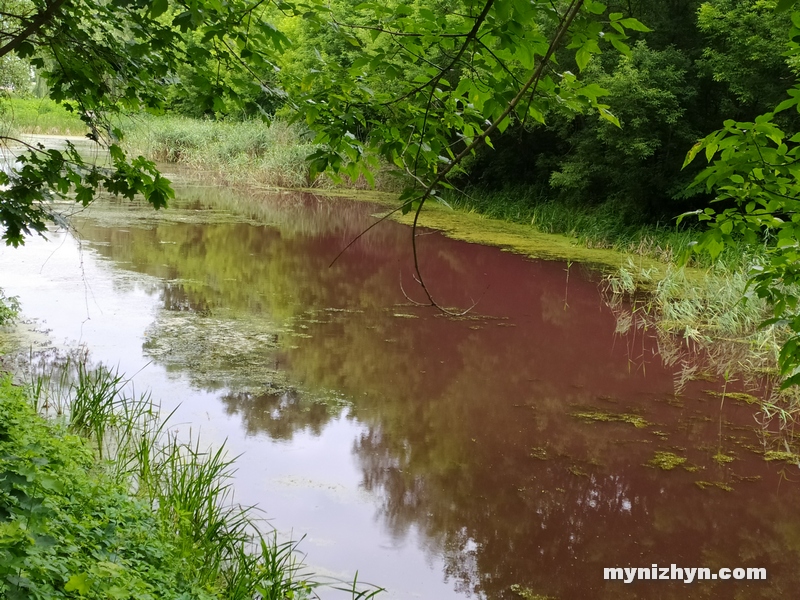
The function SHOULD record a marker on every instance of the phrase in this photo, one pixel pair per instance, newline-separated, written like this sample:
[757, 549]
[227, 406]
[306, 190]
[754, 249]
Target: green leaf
[634, 24]
[158, 8]
[79, 583]
[582, 57]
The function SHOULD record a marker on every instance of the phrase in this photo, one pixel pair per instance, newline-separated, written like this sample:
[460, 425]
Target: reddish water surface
[442, 457]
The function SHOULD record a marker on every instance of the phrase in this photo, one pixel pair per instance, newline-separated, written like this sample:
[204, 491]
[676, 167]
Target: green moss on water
[577, 471]
[703, 485]
[789, 457]
[738, 396]
[518, 238]
[528, 593]
[666, 461]
[539, 452]
[609, 417]
[723, 458]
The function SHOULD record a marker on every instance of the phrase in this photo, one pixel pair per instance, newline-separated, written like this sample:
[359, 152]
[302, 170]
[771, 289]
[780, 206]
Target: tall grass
[250, 152]
[188, 486]
[38, 116]
[707, 323]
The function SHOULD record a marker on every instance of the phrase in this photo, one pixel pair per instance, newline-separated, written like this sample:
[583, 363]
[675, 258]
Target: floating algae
[539, 452]
[723, 458]
[665, 461]
[577, 471]
[789, 457]
[738, 396]
[636, 420]
[528, 593]
[717, 484]
[216, 352]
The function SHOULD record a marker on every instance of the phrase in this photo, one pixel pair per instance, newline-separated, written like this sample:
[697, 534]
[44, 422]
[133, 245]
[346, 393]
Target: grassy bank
[239, 153]
[38, 116]
[252, 153]
[98, 501]
[701, 309]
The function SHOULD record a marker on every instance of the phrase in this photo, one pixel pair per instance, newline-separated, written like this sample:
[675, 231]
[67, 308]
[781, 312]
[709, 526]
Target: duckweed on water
[717, 484]
[528, 593]
[739, 396]
[666, 461]
[577, 471]
[789, 457]
[539, 452]
[216, 351]
[518, 238]
[723, 458]
[636, 420]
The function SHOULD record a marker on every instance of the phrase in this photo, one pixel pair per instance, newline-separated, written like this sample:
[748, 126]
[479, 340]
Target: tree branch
[531, 84]
[36, 23]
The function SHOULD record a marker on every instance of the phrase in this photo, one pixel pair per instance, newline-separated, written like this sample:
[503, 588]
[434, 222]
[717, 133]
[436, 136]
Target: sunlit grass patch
[39, 116]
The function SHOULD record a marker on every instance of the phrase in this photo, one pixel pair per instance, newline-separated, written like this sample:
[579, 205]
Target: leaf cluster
[47, 173]
[66, 530]
[754, 173]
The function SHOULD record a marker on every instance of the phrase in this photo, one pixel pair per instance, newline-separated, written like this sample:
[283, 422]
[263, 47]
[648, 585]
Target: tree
[459, 74]
[103, 58]
[754, 172]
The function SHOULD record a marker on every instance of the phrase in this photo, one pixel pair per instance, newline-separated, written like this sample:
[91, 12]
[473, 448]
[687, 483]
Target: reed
[707, 323]
[251, 152]
[40, 116]
[187, 486]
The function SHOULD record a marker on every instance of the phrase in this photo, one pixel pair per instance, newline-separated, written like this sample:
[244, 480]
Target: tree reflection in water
[469, 433]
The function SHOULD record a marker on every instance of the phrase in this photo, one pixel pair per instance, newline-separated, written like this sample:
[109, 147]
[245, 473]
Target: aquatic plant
[666, 460]
[9, 308]
[182, 489]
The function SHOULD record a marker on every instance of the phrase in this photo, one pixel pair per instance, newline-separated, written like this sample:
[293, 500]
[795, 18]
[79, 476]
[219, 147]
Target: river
[515, 452]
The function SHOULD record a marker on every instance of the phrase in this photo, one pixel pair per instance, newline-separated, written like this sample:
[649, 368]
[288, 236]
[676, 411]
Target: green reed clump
[38, 116]
[698, 305]
[250, 152]
[707, 323]
[213, 546]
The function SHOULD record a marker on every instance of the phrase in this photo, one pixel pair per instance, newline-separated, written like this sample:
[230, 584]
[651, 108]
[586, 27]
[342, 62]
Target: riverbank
[99, 501]
[700, 308]
[707, 324]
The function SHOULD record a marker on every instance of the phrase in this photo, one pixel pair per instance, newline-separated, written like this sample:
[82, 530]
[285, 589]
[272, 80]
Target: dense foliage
[66, 528]
[102, 58]
[754, 173]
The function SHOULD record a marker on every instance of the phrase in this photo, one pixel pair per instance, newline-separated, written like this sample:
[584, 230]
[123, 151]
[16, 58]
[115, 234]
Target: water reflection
[468, 426]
